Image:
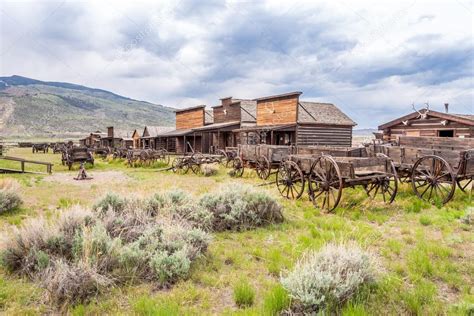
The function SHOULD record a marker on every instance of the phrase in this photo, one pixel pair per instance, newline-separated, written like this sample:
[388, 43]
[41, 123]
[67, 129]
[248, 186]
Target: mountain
[35, 108]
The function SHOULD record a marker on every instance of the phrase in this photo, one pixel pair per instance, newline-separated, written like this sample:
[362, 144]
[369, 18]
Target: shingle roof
[154, 131]
[466, 116]
[322, 113]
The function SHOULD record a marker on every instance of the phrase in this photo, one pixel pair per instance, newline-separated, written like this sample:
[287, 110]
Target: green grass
[425, 251]
[244, 294]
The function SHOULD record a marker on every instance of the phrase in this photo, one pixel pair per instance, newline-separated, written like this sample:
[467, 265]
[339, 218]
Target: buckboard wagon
[326, 176]
[77, 155]
[147, 156]
[264, 159]
[182, 164]
[433, 166]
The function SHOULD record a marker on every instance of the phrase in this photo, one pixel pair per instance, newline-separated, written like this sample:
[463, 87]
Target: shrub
[19, 251]
[425, 220]
[468, 217]
[69, 284]
[330, 276]
[275, 301]
[111, 202]
[168, 268]
[209, 169]
[244, 294]
[240, 207]
[9, 200]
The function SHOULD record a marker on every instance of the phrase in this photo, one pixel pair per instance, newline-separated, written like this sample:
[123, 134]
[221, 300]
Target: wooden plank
[277, 111]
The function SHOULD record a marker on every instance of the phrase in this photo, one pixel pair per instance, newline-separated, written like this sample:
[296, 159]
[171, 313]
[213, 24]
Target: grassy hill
[33, 108]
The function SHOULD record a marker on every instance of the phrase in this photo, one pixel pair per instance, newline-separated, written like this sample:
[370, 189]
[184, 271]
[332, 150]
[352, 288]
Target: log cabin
[231, 114]
[111, 140]
[429, 123]
[286, 120]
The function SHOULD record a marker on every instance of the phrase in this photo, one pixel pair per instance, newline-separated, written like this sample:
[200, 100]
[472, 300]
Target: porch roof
[217, 126]
[267, 128]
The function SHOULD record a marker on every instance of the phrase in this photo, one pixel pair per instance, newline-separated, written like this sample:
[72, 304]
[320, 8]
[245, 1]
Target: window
[446, 133]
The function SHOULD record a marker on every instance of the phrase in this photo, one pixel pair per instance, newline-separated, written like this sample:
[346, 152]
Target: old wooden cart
[433, 166]
[325, 176]
[182, 164]
[147, 156]
[228, 154]
[262, 158]
[78, 155]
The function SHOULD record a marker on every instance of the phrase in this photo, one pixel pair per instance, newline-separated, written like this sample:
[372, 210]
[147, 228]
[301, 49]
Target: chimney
[110, 131]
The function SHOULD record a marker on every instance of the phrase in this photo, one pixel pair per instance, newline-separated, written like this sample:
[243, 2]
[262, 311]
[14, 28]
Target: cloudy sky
[373, 59]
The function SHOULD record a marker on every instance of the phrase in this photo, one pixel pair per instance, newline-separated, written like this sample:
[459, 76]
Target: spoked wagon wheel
[384, 186]
[290, 180]
[433, 180]
[263, 168]
[325, 183]
[238, 167]
[195, 166]
[179, 166]
[465, 184]
[223, 156]
[164, 157]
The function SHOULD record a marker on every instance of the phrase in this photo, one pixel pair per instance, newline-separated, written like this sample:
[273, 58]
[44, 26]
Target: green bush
[111, 202]
[240, 207]
[244, 294]
[168, 267]
[9, 200]
[329, 277]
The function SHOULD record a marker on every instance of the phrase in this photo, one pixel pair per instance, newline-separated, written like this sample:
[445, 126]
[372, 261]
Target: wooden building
[151, 138]
[231, 114]
[92, 140]
[187, 119]
[429, 123]
[136, 139]
[286, 120]
[111, 140]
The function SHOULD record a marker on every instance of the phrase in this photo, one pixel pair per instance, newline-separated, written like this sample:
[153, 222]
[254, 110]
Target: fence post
[22, 167]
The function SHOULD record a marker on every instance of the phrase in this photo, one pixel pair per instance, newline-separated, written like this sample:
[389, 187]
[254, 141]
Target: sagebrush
[330, 276]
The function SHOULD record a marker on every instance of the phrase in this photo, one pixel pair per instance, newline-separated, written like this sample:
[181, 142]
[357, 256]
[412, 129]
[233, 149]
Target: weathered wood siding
[324, 135]
[427, 128]
[437, 142]
[227, 113]
[277, 111]
[190, 119]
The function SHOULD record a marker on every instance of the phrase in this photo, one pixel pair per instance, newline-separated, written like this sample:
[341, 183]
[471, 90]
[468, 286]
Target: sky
[373, 59]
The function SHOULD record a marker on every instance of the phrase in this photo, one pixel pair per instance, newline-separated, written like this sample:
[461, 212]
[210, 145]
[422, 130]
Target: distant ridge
[35, 108]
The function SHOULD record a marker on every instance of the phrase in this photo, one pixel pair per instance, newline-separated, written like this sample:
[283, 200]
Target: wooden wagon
[36, 148]
[326, 176]
[182, 164]
[228, 154]
[147, 156]
[262, 158]
[433, 166]
[78, 155]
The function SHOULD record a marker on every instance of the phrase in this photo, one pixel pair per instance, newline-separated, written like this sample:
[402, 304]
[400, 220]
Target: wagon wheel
[290, 180]
[238, 167]
[325, 183]
[179, 166]
[195, 166]
[223, 156]
[465, 186]
[197, 155]
[386, 186]
[433, 180]
[263, 167]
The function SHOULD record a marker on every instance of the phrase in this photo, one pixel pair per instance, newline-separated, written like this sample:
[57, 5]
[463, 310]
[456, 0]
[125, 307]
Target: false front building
[286, 120]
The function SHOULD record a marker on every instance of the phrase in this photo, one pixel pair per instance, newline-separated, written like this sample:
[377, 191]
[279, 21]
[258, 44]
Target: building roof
[466, 119]
[322, 113]
[289, 94]
[176, 132]
[216, 125]
[190, 108]
[154, 131]
[208, 117]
